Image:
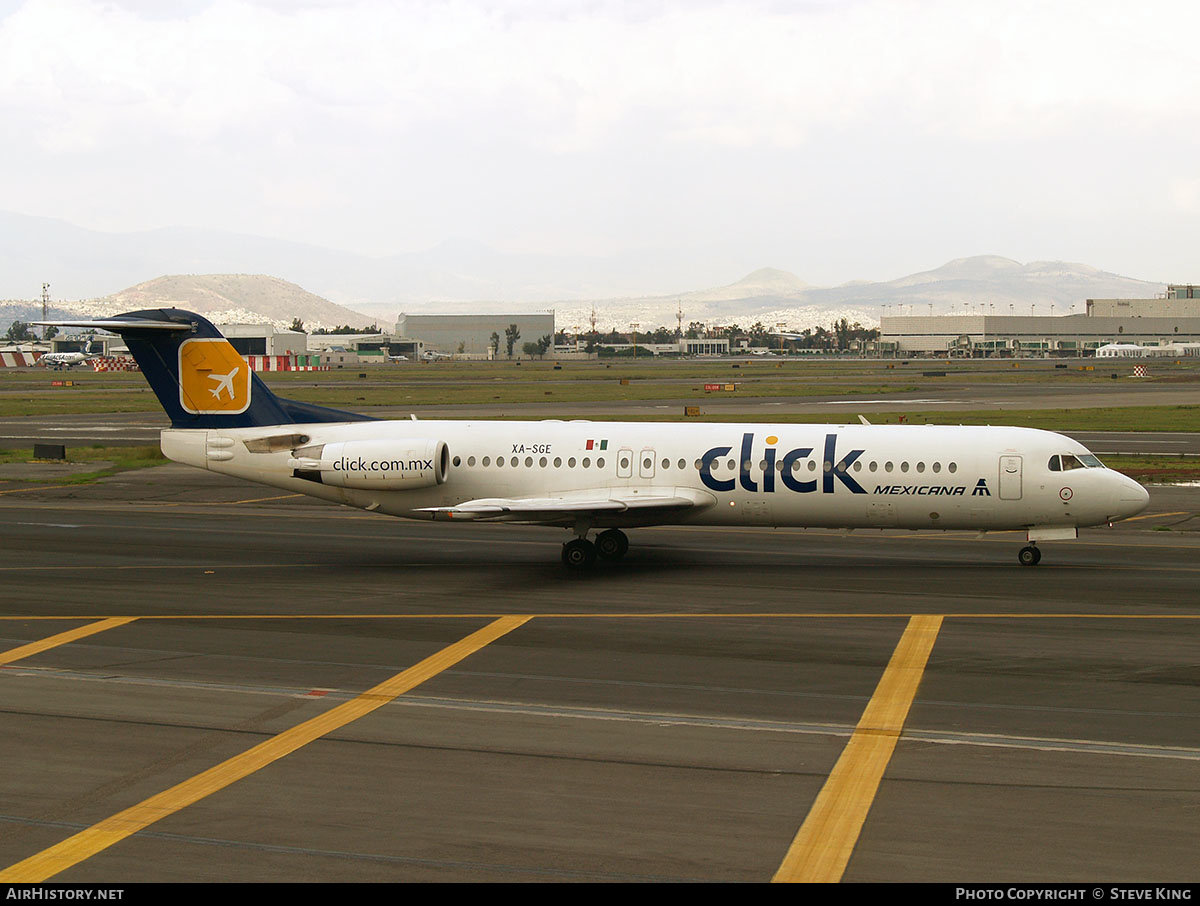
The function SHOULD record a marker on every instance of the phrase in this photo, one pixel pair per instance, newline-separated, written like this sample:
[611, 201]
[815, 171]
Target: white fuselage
[844, 476]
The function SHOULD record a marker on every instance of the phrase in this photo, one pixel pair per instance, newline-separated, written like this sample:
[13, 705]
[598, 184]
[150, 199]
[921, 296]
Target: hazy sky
[839, 140]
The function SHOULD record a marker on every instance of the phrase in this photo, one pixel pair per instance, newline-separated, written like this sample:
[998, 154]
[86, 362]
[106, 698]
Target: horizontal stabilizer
[117, 325]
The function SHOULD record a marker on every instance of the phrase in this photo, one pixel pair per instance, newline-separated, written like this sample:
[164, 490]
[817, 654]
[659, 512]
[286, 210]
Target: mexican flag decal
[597, 445]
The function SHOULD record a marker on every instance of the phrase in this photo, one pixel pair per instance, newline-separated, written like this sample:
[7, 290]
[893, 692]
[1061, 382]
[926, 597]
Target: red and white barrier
[279, 363]
[18, 358]
[115, 363]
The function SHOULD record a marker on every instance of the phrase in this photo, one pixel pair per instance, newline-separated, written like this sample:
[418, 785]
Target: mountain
[775, 297]
[228, 299]
[80, 263]
[222, 298]
[463, 275]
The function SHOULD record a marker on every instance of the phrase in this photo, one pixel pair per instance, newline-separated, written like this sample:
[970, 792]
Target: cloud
[412, 121]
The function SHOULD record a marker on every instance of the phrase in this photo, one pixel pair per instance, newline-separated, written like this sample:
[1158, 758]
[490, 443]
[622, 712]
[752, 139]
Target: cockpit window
[1068, 461]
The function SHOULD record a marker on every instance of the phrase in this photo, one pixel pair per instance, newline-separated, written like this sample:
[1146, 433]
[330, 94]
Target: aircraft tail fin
[199, 378]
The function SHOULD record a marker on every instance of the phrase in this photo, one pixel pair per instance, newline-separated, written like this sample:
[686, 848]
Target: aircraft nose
[1130, 498]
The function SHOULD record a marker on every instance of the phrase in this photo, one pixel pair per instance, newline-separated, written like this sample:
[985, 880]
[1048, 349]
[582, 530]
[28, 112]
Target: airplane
[60, 360]
[430, 356]
[606, 477]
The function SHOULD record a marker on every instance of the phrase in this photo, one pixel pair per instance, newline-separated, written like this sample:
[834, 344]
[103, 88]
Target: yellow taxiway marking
[51, 487]
[16, 654]
[822, 846]
[1157, 516]
[98, 837]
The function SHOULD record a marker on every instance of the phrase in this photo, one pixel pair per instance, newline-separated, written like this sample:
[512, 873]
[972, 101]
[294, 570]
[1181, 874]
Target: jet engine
[394, 465]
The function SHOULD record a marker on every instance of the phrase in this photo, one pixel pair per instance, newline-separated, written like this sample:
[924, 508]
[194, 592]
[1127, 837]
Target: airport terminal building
[1173, 320]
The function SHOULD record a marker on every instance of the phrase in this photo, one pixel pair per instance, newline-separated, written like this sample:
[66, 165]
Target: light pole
[635, 325]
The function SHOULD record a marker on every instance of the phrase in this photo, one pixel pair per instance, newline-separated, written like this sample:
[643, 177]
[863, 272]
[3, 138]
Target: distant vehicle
[609, 476]
[60, 360]
[397, 358]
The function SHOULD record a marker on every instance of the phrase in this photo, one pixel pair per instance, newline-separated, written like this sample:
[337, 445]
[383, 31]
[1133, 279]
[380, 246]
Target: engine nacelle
[394, 465]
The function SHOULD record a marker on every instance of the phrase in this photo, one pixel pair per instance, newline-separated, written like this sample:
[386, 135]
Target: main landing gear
[1029, 556]
[581, 553]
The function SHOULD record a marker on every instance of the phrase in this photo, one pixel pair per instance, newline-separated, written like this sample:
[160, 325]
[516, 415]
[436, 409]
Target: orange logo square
[213, 378]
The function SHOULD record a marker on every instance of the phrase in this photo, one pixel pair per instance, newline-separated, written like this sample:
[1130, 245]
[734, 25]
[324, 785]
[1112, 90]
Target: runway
[678, 716]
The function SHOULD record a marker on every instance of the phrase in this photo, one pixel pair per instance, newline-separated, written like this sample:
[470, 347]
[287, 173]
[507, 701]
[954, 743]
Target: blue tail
[200, 379]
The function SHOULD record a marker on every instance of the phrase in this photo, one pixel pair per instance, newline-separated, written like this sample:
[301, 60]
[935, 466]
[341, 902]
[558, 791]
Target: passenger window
[600, 463]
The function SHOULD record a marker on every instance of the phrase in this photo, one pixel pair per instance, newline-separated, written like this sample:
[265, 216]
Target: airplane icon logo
[224, 383]
[213, 377]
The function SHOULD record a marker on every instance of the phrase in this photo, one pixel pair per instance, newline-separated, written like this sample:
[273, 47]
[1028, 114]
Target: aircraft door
[646, 464]
[1010, 477]
[624, 463]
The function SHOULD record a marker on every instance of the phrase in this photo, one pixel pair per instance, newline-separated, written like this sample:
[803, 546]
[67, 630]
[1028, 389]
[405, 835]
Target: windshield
[1068, 461]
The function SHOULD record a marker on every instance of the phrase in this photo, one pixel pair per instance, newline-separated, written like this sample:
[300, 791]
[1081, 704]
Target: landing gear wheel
[1029, 556]
[579, 554]
[612, 545]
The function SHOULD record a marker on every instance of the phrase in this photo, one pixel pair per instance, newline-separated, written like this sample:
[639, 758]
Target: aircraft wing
[637, 505]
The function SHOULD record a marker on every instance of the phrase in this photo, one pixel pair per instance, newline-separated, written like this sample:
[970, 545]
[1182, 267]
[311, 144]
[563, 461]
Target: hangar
[1173, 319]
